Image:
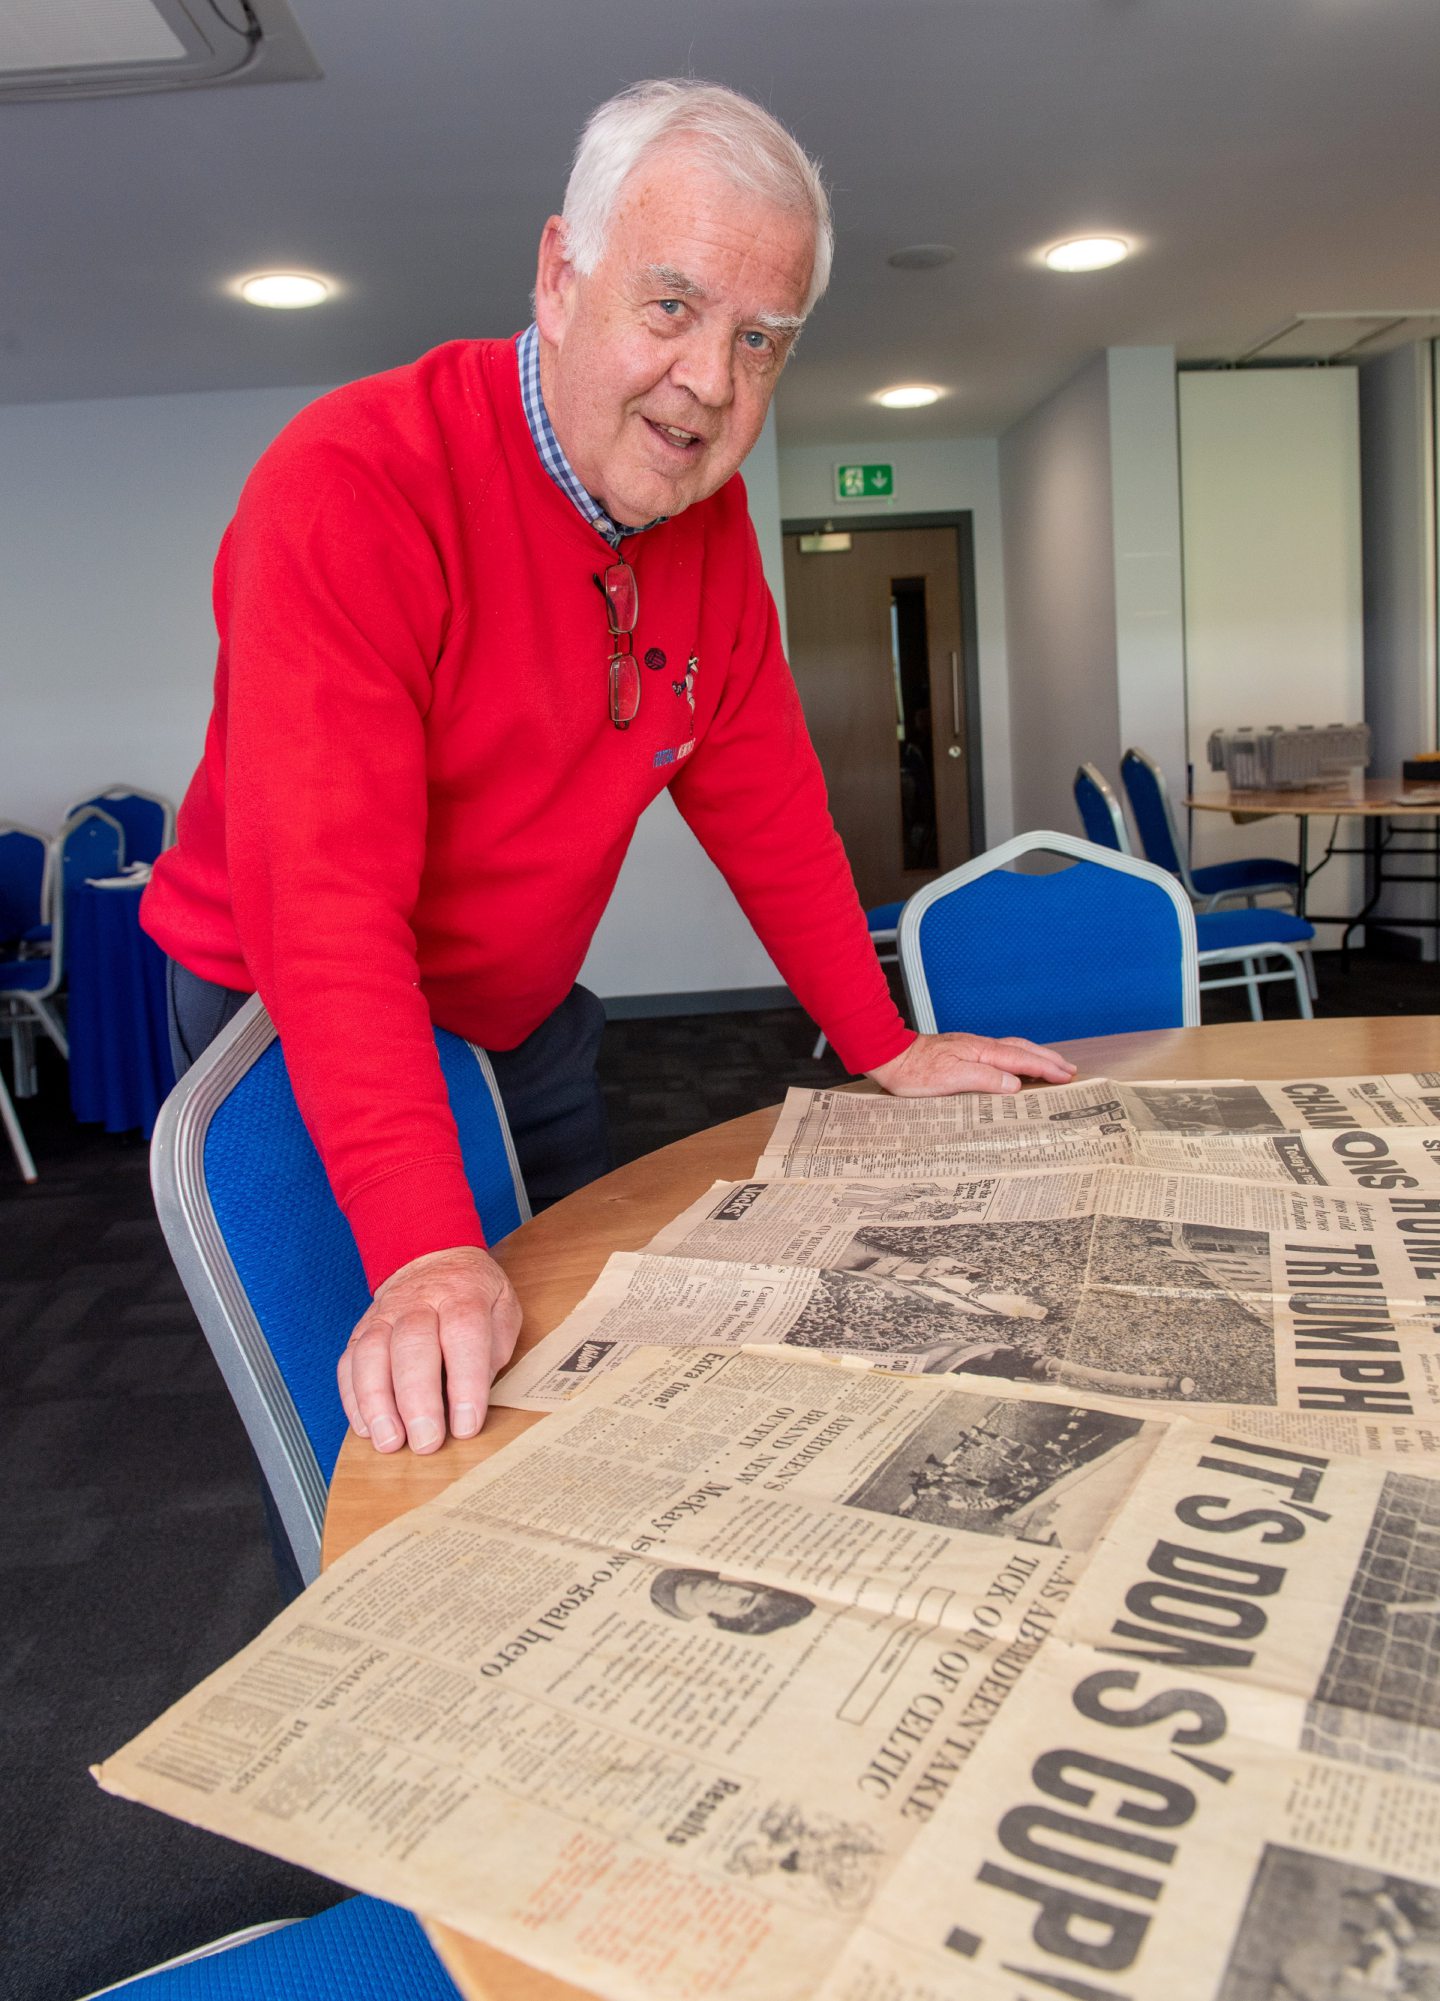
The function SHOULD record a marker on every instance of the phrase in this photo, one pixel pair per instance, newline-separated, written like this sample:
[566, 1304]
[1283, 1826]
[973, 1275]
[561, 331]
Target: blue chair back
[91, 843]
[1101, 946]
[1100, 813]
[266, 1255]
[22, 883]
[358, 1950]
[147, 819]
[1149, 798]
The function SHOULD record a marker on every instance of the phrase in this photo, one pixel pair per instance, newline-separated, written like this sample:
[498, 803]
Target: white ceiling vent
[105, 48]
[1342, 336]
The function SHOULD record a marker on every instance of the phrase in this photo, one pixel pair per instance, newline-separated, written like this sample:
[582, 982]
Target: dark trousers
[548, 1084]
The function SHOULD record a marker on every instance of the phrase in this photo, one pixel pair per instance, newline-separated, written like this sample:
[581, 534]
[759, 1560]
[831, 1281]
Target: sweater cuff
[863, 1045]
[425, 1206]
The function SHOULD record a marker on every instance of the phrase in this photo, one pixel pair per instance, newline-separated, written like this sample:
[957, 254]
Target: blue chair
[23, 854]
[880, 922]
[148, 819]
[89, 844]
[1098, 947]
[265, 1253]
[358, 1950]
[1247, 938]
[1222, 882]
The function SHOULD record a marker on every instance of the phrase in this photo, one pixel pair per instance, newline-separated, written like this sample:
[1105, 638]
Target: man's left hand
[937, 1066]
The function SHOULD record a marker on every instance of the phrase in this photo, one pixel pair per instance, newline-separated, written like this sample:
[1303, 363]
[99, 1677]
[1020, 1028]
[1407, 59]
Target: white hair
[729, 132]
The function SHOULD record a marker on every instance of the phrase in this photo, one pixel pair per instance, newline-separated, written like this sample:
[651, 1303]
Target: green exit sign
[864, 482]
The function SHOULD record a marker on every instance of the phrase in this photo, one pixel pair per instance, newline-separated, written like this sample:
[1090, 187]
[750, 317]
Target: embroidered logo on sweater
[673, 756]
[687, 686]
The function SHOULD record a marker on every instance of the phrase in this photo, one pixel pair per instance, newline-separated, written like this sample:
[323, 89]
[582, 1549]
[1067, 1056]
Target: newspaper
[1367, 1132]
[1219, 1779]
[635, 1697]
[707, 1687]
[1169, 1288]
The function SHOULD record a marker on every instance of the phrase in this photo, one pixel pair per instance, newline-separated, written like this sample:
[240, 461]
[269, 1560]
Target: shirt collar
[552, 456]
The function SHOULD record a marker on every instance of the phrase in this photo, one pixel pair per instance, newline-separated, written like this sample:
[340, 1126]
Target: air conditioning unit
[110, 48]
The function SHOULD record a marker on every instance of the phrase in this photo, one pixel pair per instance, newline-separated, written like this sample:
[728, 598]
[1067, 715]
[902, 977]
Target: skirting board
[715, 1000]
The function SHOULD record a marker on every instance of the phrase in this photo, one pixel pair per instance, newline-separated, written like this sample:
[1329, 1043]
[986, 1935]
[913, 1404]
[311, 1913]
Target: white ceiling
[1270, 158]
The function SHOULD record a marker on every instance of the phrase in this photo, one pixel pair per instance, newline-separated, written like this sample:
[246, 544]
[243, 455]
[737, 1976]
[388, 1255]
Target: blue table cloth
[120, 1069]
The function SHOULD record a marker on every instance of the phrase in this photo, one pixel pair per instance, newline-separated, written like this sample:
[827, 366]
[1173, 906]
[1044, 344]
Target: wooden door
[876, 645]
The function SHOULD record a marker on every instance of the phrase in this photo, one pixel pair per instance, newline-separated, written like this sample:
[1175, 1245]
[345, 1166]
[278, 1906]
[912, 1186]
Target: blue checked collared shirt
[548, 446]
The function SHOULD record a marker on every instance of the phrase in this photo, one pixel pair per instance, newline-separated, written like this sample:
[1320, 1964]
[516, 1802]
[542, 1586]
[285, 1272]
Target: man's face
[658, 368]
[717, 1597]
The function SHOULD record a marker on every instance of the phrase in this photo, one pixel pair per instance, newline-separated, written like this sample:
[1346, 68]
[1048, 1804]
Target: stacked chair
[148, 819]
[1246, 938]
[36, 877]
[100, 835]
[24, 962]
[1207, 888]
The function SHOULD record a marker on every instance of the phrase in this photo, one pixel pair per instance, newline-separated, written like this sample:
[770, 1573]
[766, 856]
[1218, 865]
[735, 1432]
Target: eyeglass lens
[622, 599]
[624, 689]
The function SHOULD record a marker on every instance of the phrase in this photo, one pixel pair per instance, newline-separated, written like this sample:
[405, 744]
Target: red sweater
[412, 803]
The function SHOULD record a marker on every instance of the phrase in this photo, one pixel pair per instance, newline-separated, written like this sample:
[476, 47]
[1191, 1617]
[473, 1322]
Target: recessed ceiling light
[922, 256]
[285, 290]
[909, 396]
[1087, 253]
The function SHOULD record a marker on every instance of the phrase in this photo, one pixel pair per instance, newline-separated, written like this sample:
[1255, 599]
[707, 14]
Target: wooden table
[1379, 803]
[553, 1260]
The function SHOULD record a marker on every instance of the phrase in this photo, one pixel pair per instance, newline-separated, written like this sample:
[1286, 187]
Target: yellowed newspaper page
[1119, 1282]
[1376, 1132]
[748, 1677]
[641, 1699]
[1222, 1777]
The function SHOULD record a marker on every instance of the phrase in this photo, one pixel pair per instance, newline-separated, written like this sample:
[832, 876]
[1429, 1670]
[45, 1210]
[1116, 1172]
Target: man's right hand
[436, 1334]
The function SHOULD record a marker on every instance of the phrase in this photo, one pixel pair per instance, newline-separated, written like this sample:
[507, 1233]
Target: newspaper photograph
[1220, 1779]
[1177, 1289]
[644, 1697]
[1368, 1132]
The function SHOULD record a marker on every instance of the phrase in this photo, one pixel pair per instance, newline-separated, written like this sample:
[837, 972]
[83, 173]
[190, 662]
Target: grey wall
[1060, 597]
[1149, 588]
[110, 513]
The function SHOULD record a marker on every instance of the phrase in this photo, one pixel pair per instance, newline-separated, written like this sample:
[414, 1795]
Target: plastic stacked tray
[1287, 760]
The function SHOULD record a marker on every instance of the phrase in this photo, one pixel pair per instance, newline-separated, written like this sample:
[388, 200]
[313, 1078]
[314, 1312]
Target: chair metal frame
[912, 967]
[1094, 777]
[245, 1936]
[366, 1945]
[15, 1133]
[1254, 972]
[207, 1271]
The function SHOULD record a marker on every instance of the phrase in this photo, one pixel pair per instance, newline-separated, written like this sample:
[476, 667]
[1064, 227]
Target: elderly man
[454, 671]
